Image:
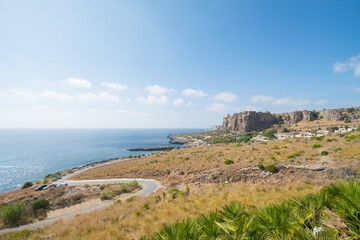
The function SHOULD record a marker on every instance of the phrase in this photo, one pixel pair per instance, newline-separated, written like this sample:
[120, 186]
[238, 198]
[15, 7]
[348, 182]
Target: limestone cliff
[250, 120]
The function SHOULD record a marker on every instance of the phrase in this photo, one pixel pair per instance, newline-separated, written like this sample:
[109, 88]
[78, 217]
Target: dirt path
[148, 186]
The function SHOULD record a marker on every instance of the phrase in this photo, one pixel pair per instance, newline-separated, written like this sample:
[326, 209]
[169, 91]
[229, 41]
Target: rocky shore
[159, 148]
[178, 139]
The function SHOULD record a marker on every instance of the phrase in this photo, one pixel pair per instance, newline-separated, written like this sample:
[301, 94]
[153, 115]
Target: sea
[31, 154]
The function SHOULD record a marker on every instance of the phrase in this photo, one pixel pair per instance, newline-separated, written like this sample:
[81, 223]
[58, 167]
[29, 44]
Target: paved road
[148, 186]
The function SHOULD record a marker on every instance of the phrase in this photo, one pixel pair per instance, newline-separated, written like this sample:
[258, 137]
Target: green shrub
[130, 199]
[271, 168]
[285, 130]
[130, 156]
[269, 133]
[261, 166]
[102, 187]
[228, 161]
[296, 154]
[14, 214]
[146, 206]
[324, 153]
[107, 195]
[45, 181]
[154, 161]
[276, 147]
[41, 204]
[316, 146]
[337, 149]
[352, 137]
[347, 121]
[26, 185]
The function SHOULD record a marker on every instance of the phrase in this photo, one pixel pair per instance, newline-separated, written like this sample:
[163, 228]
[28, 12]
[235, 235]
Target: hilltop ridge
[251, 120]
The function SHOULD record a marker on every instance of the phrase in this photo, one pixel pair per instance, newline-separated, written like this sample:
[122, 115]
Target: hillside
[235, 170]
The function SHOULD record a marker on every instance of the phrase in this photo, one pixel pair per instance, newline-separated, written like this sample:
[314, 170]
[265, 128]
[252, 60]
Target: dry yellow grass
[131, 221]
[193, 161]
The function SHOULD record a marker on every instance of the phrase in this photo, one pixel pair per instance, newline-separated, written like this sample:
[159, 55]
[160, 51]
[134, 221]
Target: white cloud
[102, 96]
[280, 101]
[131, 112]
[217, 107]
[321, 102]
[56, 95]
[114, 86]
[189, 104]
[193, 93]
[353, 64]
[45, 94]
[225, 97]
[77, 82]
[153, 100]
[128, 99]
[42, 108]
[178, 102]
[262, 99]
[25, 93]
[247, 108]
[158, 90]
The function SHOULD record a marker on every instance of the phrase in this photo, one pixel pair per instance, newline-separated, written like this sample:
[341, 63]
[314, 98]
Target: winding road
[148, 186]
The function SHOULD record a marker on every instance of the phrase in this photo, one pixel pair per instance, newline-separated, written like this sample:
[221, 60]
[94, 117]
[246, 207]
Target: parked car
[61, 185]
[50, 186]
[39, 188]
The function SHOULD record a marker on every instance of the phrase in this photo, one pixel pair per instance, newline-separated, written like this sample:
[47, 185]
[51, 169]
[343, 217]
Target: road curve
[148, 186]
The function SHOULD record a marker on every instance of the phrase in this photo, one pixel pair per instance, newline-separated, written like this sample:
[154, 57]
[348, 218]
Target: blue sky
[144, 64]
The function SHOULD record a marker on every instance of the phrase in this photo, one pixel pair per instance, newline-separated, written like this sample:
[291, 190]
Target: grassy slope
[128, 220]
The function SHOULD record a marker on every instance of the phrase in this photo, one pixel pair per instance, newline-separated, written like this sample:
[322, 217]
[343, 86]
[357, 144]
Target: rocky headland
[252, 121]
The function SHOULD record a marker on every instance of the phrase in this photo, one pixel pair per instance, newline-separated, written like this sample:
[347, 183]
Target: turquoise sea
[31, 154]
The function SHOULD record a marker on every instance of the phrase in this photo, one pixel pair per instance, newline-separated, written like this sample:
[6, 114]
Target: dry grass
[185, 164]
[128, 220]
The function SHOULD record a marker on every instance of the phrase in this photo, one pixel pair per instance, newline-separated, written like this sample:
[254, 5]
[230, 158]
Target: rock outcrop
[252, 121]
[249, 121]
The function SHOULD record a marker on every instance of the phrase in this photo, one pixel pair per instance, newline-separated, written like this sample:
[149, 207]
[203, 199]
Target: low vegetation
[13, 215]
[144, 216]
[331, 214]
[26, 185]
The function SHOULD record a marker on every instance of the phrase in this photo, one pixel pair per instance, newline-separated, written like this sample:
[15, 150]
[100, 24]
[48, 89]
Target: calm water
[28, 155]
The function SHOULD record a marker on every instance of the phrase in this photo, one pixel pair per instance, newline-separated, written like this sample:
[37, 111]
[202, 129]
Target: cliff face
[249, 121]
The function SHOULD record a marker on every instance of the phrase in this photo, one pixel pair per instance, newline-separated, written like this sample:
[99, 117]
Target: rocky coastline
[178, 139]
[159, 148]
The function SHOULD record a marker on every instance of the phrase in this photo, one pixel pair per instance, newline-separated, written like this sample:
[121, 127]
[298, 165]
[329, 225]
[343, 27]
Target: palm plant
[236, 221]
[346, 203]
[277, 221]
[208, 225]
[185, 230]
[308, 209]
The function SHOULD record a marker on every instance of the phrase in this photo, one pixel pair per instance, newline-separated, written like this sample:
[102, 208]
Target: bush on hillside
[324, 153]
[26, 185]
[271, 168]
[228, 161]
[269, 133]
[316, 146]
[14, 214]
[41, 204]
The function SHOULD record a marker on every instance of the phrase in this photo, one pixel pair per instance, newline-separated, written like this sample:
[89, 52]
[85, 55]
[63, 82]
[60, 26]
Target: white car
[50, 186]
[62, 185]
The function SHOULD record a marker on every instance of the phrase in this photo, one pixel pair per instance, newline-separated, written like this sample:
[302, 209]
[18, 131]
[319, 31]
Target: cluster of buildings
[319, 133]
